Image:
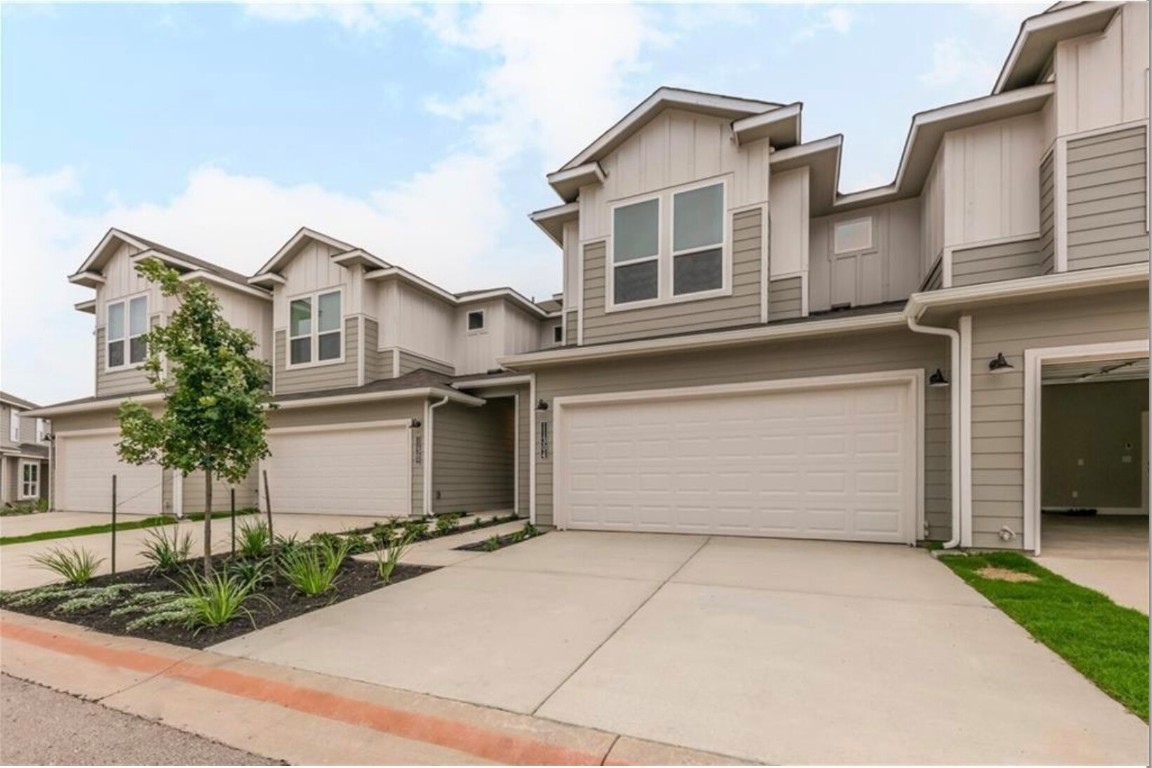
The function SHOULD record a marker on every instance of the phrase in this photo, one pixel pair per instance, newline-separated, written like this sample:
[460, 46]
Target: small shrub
[417, 528]
[323, 538]
[519, 536]
[382, 533]
[252, 540]
[492, 544]
[76, 565]
[357, 543]
[91, 598]
[253, 572]
[446, 524]
[143, 602]
[312, 569]
[477, 523]
[178, 610]
[41, 505]
[287, 544]
[35, 596]
[166, 552]
[211, 601]
[530, 530]
[389, 556]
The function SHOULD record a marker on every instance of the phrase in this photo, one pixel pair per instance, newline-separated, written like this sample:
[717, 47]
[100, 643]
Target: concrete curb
[303, 717]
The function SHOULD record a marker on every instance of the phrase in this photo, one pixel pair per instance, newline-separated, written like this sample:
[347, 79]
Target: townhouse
[739, 348]
[24, 465]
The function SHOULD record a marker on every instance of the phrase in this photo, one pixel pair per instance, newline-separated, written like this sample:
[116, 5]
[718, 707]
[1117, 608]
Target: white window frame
[664, 258]
[836, 251]
[126, 302]
[314, 330]
[483, 322]
[14, 425]
[24, 494]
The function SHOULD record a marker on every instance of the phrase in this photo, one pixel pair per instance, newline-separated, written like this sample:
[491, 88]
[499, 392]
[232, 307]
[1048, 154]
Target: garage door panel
[343, 471]
[84, 468]
[819, 463]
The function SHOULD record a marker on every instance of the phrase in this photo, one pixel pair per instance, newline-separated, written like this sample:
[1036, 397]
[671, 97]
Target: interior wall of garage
[1087, 431]
[845, 354]
[473, 459]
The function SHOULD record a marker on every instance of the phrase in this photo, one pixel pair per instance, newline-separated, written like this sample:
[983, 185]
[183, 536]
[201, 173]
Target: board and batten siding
[998, 399]
[992, 263]
[314, 378]
[1047, 245]
[473, 458]
[742, 307]
[846, 354]
[784, 299]
[1107, 199]
[410, 361]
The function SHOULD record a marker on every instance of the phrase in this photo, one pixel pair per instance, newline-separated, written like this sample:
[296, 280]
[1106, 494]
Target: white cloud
[838, 20]
[358, 17]
[959, 64]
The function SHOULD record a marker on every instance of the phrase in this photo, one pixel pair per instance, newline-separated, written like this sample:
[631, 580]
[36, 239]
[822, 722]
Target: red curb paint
[462, 737]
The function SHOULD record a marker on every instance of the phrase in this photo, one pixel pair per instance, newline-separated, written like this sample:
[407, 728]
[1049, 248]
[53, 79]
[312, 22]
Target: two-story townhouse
[389, 399]
[24, 466]
[748, 351]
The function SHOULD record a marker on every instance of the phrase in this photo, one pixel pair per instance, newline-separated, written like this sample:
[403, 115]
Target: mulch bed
[505, 541]
[355, 579]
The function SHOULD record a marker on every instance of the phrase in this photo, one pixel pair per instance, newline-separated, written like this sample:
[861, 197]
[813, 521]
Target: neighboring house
[739, 348]
[24, 466]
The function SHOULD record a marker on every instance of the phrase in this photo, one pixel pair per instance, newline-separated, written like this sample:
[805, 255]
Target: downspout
[954, 345]
[428, 415]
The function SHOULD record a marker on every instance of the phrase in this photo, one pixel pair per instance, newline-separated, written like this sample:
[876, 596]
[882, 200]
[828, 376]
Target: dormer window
[476, 320]
[127, 324]
[315, 329]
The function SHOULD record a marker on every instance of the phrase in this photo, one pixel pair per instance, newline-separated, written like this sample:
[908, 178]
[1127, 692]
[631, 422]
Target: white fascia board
[209, 277]
[88, 306]
[302, 234]
[779, 126]
[505, 293]
[400, 273]
[109, 236]
[566, 183]
[1103, 277]
[494, 381]
[551, 220]
[1044, 21]
[87, 279]
[394, 394]
[50, 411]
[359, 256]
[878, 321]
[268, 279]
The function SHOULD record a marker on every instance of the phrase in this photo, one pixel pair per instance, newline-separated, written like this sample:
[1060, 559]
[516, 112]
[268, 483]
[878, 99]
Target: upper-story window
[14, 425]
[669, 247]
[852, 235]
[127, 324]
[41, 430]
[558, 334]
[476, 320]
[315, 329]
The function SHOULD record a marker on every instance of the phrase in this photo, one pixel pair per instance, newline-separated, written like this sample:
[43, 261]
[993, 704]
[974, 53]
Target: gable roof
[295, 244]
[19, 402]
[1039, 35]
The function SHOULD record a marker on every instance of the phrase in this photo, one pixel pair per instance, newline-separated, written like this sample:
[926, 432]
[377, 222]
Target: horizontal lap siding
[847, 354]
[935, 279]
[377, 364]
[998, 399]
[473, 457]
[410, 361]
[741, 308]
[1047, 246]
[990, 263]
[784, 299]
[1107, 199]
[571, 330]
[122, 381]
[319, 377]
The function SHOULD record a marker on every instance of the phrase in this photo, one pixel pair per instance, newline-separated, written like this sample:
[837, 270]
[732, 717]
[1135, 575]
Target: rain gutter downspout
[954, 345]
[428, 409]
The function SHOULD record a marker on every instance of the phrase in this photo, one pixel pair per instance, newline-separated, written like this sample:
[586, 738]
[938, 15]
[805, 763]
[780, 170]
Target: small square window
[558, 334]
[476, 320]
[852, 235]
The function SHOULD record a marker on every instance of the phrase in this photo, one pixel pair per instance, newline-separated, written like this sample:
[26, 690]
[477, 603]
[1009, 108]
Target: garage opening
[474, 457]
[1094, 458]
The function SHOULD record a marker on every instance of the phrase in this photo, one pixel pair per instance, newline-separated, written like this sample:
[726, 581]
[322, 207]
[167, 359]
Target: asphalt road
[39, 726]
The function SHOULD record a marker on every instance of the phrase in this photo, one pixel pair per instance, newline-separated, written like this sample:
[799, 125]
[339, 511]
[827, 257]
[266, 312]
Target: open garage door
[827, 462]
[85, 464]
[362, 469]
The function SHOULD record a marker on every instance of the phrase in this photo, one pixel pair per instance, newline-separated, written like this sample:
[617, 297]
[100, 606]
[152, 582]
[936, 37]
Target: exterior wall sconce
[999, 364]
[937, 379]
[415, 424]
[541, 405]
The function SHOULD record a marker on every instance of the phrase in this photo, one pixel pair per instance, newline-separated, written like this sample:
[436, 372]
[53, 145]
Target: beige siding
[1107, 199]
[5, 429]
[741, 308]
[998, 399]
[121, 381]
[571, 329]
[1047, 245]
[473, 457]
[377, 363]
[788, 213]
[935, 279]
[991, 263]
[410, 361]
[932, 215]
[419, 456]
[319, 377]
[888, 270]
[871, 352]
[784, 299]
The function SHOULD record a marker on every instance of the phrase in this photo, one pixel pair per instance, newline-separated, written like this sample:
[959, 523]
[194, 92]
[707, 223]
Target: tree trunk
[207, 523]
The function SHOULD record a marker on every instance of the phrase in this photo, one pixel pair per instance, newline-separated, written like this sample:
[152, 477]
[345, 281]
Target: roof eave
[1039, 34]
[566, 183]
[551, 220]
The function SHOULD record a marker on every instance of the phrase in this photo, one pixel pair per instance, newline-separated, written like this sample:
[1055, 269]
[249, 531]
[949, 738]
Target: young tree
[215, 394]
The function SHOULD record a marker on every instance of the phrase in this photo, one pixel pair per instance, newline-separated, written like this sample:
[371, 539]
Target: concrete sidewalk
[303, 717]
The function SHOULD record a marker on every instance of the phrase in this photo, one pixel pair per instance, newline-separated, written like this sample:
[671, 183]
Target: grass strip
[1105, 642]
[90, 530]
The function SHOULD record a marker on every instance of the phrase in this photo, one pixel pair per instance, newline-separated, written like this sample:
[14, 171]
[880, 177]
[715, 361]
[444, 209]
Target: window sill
[318, 364]
[124, 368]
[672, 300]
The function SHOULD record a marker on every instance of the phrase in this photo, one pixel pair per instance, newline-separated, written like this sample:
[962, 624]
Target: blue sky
[421, 133]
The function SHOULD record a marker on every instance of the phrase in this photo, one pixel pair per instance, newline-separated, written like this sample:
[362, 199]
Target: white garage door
[362, 470]
[815, 463]
[84, 468]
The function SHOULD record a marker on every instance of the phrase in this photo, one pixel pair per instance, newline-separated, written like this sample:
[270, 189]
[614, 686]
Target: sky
[420, 133]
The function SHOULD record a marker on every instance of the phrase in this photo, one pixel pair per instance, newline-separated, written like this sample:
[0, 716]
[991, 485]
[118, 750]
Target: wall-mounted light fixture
[937, 379]
[999, 364]
[415, 424]
[541, 405]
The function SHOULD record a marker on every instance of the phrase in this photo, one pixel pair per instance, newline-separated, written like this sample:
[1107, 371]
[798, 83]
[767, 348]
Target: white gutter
[49, 411]
[394, 394]
[492, 382]
[428, 416]
[954, 344]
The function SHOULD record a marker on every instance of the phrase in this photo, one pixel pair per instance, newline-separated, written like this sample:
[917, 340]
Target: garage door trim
[912, 378]
[55, 475]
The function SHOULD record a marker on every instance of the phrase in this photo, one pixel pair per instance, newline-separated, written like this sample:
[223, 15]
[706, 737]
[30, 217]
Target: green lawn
[1105, 642]
[89, 530]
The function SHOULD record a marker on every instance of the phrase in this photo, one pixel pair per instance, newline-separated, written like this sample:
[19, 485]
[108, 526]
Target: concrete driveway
[769, 650]
[1108, 553]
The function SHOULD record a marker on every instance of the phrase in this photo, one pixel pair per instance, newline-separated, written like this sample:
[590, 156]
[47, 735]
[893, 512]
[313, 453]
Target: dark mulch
[284, 602]
[505, 541]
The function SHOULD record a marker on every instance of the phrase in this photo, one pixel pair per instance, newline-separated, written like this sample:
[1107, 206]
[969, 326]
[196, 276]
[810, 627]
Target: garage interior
[1094, 458]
